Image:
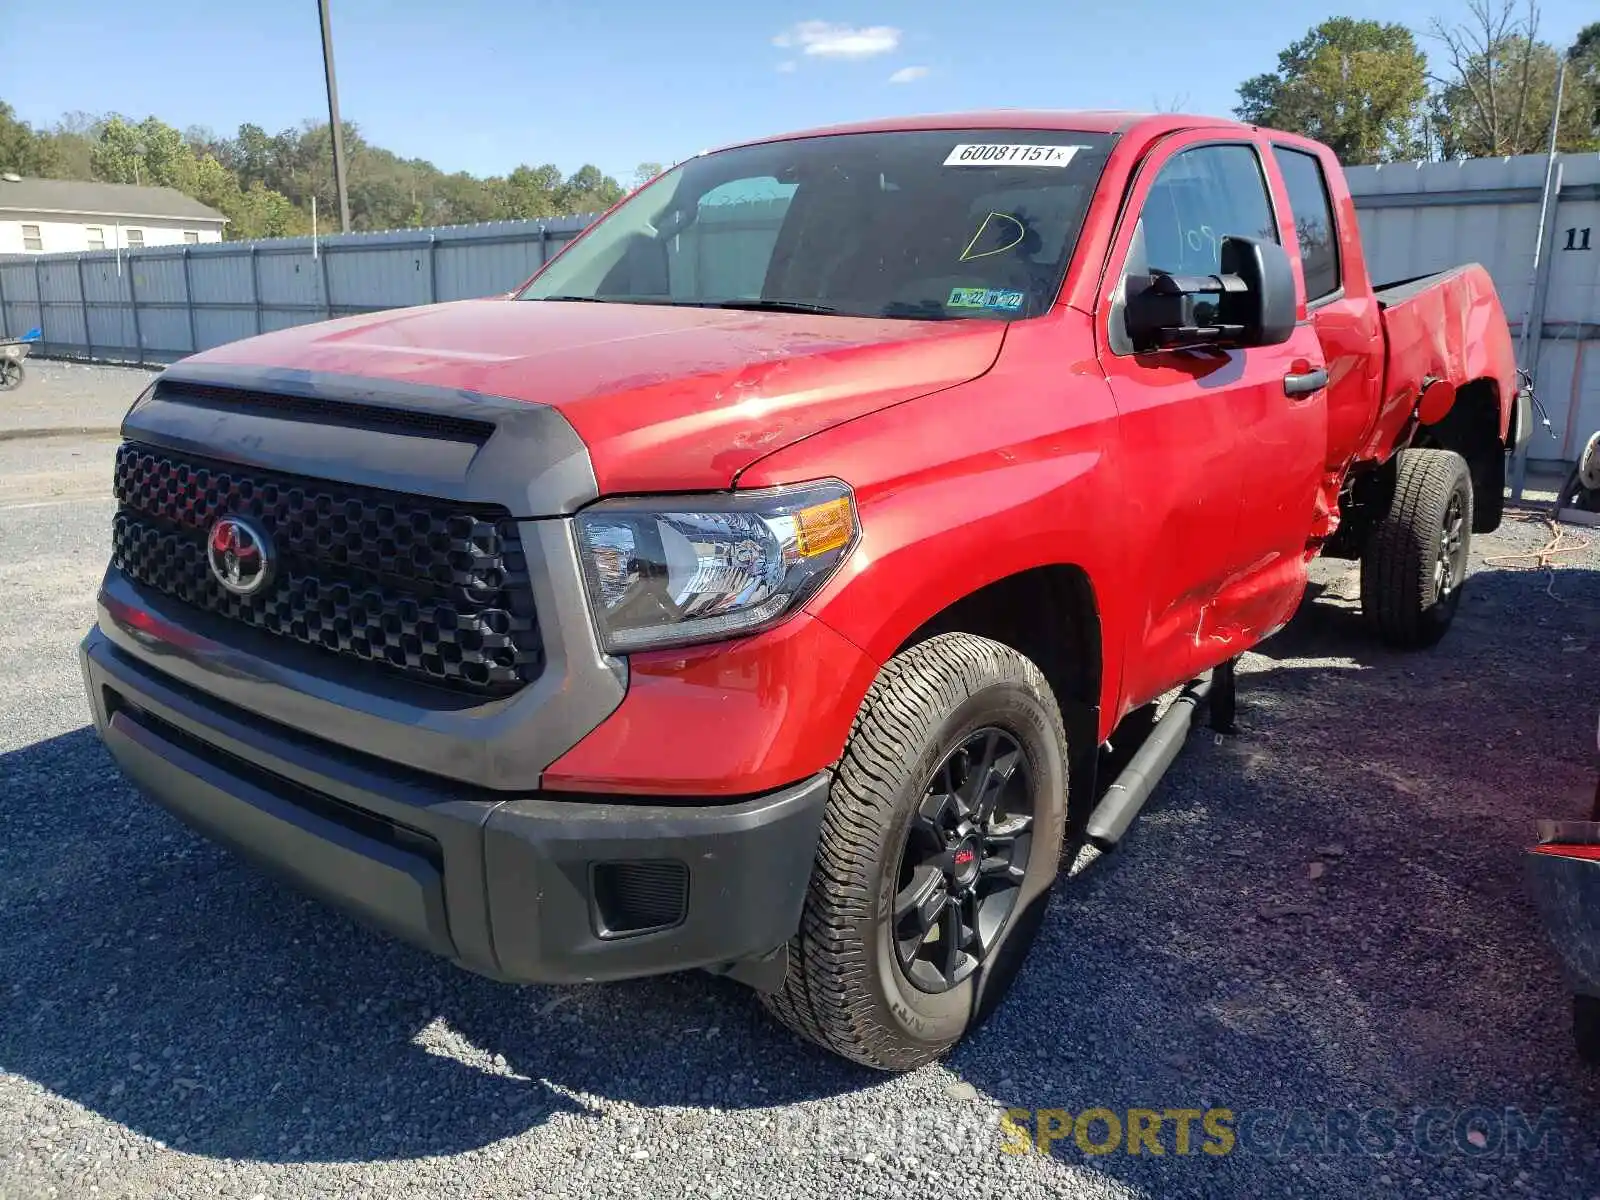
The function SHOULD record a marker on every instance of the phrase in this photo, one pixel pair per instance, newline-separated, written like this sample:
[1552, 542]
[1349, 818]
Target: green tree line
[264, 183]
[1371, 91]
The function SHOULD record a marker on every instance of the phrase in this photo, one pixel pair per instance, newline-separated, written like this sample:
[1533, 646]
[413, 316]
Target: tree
[529, 192]
[1583, 70]
[265, 184]
[645, 172]
[461, 199]
[151, 153]
[214, 184]
[70, 146]
[252, 155]
[1497, 94]
[587, 191]
[259, 212]
[21, 149]
[1359, 86]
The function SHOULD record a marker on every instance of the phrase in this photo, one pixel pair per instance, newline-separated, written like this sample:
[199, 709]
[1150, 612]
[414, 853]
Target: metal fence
[1422, 217]
[159, 304]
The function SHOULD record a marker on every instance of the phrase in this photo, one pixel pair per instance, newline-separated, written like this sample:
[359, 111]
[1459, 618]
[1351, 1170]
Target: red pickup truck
[755, 588]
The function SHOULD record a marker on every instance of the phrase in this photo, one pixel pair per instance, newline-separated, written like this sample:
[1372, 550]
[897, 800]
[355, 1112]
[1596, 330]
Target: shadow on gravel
[158, 981]
[1327, 913]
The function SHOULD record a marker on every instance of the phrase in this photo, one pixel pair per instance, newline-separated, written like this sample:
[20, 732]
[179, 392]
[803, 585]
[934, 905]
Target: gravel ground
[1322, 915]
[70, 396]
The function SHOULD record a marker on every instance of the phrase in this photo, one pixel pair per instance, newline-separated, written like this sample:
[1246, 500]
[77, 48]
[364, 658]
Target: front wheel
[10, 374]
[940, 842]
[1415, 562]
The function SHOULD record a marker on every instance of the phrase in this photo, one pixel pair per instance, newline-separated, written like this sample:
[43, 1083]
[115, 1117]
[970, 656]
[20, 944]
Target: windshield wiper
[575, 299]
[794, 306]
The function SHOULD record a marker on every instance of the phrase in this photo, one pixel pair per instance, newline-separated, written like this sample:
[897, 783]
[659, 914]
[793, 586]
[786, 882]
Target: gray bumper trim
[501, 886]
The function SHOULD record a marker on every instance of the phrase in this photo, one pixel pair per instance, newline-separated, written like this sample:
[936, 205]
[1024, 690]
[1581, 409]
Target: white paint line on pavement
[54, 503]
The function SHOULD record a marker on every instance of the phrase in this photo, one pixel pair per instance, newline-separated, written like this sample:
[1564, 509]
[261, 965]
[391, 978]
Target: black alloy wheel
[964, 860]
[1450, 567]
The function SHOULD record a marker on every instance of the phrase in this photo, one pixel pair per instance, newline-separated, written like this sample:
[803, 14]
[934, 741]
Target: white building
[48, 216]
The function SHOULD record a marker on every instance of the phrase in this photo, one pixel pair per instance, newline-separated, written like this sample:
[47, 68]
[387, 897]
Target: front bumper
[525, 887]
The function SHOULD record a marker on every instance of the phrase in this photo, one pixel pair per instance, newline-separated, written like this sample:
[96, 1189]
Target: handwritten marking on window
[967, 255]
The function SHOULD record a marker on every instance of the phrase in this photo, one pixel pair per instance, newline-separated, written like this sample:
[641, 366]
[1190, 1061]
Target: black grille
[433, 588]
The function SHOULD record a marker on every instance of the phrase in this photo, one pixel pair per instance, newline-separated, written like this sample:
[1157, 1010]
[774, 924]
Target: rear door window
[1313, 221]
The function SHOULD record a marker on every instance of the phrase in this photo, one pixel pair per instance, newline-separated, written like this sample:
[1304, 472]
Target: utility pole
[1539, 285]
[334, 127]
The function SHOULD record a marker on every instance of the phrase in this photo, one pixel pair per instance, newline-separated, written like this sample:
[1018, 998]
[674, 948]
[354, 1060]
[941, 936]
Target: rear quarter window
[1313, 221]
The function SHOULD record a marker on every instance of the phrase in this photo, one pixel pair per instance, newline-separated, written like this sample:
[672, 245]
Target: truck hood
[664, 398]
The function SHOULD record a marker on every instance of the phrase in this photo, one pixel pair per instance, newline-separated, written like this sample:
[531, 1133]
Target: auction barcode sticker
[998, 154]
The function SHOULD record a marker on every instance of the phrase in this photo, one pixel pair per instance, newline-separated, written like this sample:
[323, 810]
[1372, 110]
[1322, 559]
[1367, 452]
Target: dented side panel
[1447, 327]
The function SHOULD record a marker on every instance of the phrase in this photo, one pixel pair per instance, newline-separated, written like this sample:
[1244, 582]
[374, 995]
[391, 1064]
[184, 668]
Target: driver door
[1223, 447]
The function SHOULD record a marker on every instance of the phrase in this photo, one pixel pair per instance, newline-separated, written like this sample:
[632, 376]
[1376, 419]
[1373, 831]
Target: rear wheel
[941, 840]
[1415, 562]
[10, 374]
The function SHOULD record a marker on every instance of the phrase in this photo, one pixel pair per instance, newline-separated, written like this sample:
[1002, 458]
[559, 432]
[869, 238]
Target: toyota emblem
[240, 555]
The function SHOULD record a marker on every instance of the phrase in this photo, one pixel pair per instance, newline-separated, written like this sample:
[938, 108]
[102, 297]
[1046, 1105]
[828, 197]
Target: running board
[1122, 801]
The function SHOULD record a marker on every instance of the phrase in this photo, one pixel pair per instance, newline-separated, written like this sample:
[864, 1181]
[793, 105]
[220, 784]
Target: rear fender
[1441, 333]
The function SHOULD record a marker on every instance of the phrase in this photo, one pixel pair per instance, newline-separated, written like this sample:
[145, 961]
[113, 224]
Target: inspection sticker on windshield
[998, 154]
[1002, 298]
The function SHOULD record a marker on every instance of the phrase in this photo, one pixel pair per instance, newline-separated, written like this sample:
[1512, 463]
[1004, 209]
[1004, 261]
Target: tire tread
[1397, 594]
[825, 997]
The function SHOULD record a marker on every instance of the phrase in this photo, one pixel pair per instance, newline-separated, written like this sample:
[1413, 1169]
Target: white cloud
[786, 66]
[824, 39]
[909, 75]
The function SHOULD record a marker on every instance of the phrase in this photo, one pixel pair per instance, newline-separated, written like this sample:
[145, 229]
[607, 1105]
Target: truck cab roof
[1113, 121]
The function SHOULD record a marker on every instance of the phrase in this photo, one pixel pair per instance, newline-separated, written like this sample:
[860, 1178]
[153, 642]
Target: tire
[1415, 561]
[11, 373]
[915, 750]
[1586, 1028]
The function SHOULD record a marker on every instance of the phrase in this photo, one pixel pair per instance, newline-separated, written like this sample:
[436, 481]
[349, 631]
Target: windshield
[923, 225]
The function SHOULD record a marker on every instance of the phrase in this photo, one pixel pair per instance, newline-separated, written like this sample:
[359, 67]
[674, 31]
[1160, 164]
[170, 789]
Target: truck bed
[1446, 326]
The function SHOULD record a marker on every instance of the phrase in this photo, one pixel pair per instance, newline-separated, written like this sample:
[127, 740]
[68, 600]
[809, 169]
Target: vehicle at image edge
[744, 591]
[1562, 868]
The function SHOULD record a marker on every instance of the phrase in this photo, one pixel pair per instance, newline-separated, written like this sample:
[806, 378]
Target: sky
[484, 85]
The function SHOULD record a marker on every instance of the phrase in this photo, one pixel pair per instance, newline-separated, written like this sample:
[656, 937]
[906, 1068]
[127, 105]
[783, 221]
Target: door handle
[1303, 383]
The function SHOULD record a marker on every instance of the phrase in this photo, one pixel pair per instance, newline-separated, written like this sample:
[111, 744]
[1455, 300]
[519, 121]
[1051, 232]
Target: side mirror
[1251, 303]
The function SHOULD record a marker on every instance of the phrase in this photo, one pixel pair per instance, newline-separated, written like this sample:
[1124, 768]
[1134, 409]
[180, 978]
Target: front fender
[957, 490]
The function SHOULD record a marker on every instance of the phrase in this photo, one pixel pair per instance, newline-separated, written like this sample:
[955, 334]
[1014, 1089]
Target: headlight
[682, 569]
